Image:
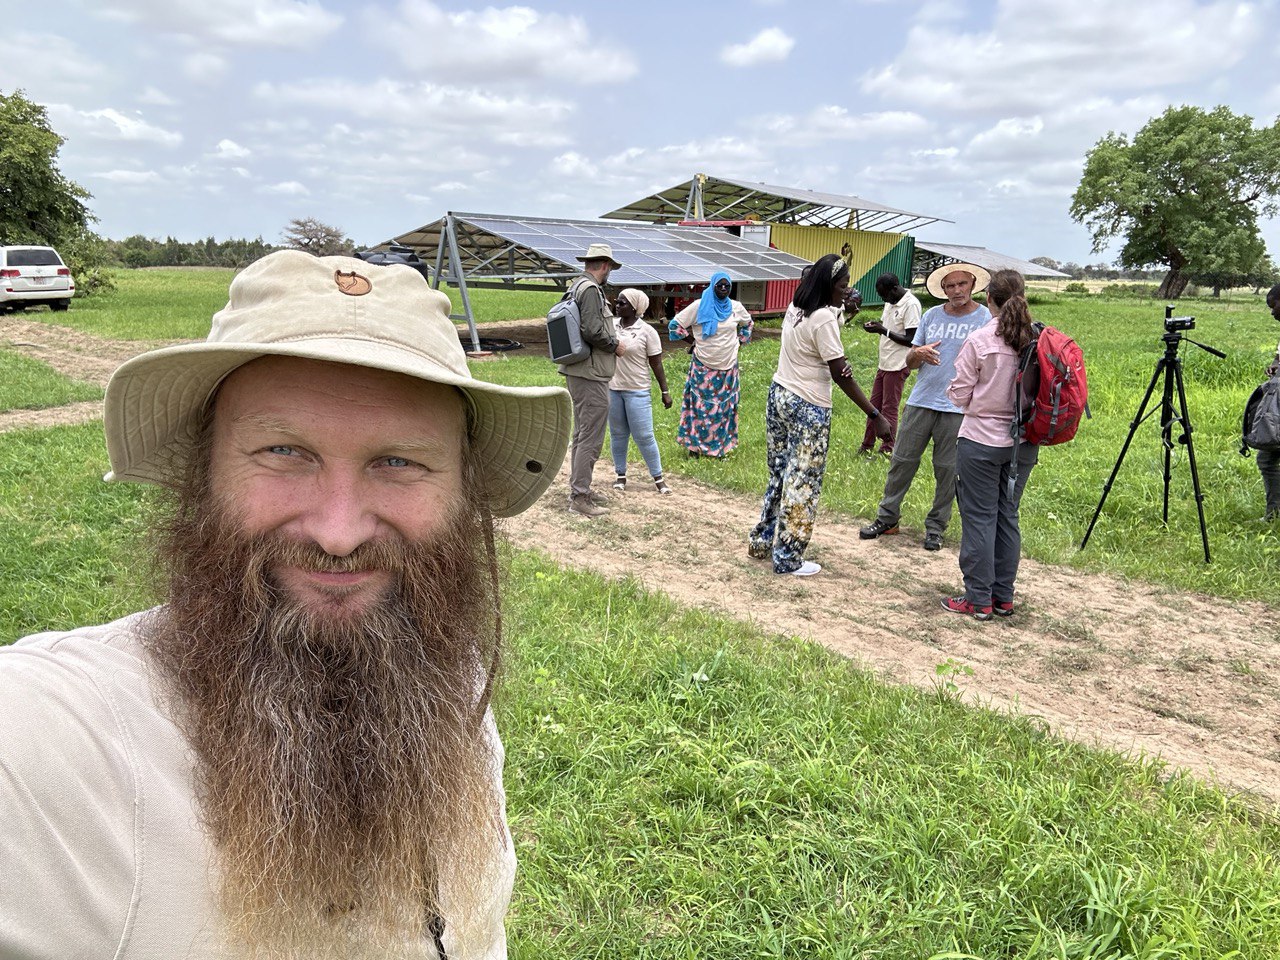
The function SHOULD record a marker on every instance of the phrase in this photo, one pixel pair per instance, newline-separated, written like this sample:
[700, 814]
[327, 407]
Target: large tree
[1187, 193]
[37, 203]
[316, 237]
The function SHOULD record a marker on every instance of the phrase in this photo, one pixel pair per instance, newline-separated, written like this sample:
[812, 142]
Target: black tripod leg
[1133, 428]
[1171, 370]
[1191, 459]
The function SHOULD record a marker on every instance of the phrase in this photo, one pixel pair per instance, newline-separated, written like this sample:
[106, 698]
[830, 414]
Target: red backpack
[1051, 392]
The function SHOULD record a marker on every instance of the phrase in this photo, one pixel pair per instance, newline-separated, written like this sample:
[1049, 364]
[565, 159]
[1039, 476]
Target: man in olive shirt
[588, 380]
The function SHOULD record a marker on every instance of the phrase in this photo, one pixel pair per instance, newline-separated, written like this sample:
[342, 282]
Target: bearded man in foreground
[293, 756]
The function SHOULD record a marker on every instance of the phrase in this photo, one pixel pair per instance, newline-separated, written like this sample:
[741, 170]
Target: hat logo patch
[352, 284]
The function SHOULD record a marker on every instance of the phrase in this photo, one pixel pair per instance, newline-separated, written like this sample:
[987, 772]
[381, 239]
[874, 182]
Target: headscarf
[711, 309]
[637, 298]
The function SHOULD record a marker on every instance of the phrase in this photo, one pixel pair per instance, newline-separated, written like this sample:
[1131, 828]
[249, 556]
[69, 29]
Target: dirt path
[1130, 666]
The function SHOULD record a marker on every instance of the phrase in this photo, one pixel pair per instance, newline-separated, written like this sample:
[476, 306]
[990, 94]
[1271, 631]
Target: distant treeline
[140, 251]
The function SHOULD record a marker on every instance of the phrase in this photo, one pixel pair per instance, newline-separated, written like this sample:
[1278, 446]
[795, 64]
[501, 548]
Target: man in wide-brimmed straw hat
[930, 416]
[588, 379]
[294, 755]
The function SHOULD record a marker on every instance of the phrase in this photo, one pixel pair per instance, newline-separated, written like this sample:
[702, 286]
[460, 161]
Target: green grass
[177, 303]
[165, 303]
[681, 786]
[27, 384]
[68, 556]
[1121, 340]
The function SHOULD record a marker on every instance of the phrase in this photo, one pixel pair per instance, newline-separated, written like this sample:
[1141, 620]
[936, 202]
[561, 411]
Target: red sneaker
[1003, 609]
[961, 605]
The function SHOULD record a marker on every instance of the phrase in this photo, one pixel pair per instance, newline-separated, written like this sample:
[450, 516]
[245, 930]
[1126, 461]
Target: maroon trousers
[886, 394]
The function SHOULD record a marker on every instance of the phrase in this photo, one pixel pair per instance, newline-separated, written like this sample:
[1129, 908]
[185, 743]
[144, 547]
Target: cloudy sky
[230, 117]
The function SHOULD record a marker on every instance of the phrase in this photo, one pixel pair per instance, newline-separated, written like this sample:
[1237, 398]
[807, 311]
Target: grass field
[27, 384]
[682, 787]
[175, 303]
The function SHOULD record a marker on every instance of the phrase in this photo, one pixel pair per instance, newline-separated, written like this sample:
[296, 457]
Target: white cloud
[288, 188]
[768, 46]
[1040, 56]
[826, 123]
[574, 165]
[230, 150]
[636, 171]
[443, 113]
[270, 23]
[204, 67]
[129, 177]
[156, 98]
[498, 44]
[46, 66]
[110, 124]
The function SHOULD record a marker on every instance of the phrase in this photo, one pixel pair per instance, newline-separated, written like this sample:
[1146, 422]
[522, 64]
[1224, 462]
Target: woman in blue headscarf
[716, 326]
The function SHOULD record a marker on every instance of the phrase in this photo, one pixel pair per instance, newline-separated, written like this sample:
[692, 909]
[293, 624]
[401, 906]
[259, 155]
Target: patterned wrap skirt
[709, 410]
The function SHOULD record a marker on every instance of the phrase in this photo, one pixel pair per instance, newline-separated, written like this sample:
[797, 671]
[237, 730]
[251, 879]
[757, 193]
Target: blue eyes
[398, 463]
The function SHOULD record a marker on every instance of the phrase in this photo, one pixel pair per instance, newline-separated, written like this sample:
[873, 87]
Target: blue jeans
[631, 418]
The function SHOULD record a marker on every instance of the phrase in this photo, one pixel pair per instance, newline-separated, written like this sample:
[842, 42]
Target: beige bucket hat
[980, 276]
[342, 310]
[599, 251]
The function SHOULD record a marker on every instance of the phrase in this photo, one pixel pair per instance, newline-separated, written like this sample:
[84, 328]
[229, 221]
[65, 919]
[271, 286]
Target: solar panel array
[727, 199]
[532, 247]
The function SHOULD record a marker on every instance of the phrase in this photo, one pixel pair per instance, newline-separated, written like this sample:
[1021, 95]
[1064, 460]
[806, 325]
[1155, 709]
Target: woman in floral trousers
[798, 415]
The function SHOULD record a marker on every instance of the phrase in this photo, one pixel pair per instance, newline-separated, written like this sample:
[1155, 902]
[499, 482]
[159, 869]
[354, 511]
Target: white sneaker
[806, 569]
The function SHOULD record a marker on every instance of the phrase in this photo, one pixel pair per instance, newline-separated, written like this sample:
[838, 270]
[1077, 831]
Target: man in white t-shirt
[294, 755]
[896, 328]
[931, 417]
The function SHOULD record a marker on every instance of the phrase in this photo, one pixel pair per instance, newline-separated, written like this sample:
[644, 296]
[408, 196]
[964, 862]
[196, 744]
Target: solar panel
[650, 254]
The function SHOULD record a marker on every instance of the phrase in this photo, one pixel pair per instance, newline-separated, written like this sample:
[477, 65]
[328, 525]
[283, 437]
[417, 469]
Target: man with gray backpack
[587, 379]
[1262, 424]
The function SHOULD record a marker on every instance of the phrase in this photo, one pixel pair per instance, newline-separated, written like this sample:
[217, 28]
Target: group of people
[612, 387]
[961, 405]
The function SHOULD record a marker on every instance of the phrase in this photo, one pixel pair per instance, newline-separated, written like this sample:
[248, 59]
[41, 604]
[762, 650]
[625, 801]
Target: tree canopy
[37, 203]
[316, 237]
[1187, 193]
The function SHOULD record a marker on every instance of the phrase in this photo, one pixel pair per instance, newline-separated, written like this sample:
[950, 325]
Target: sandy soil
[1191, 679]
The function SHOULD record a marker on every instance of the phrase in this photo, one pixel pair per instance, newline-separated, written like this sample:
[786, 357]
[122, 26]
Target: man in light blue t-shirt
[930, 415]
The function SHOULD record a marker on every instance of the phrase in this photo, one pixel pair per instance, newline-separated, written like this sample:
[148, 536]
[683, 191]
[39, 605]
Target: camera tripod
[1170, 365]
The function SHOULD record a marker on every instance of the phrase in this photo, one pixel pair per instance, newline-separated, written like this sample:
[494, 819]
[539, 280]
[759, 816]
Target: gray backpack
[1261, 427]
[564, 327]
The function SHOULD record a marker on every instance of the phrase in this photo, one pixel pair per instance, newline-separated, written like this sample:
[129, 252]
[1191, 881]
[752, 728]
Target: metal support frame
[449, 236]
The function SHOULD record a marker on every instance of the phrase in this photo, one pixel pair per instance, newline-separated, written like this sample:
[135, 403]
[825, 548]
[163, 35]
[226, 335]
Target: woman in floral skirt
[716, 326]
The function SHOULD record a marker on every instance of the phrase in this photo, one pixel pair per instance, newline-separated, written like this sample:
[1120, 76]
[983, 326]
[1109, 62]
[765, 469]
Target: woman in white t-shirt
[630, 404]
[798, 416]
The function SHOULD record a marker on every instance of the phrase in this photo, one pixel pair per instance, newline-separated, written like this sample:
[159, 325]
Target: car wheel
[59, 305]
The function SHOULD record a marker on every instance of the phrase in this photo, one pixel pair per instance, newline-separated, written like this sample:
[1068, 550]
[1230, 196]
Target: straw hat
[342, 310]
[980, 276]
[599, 251]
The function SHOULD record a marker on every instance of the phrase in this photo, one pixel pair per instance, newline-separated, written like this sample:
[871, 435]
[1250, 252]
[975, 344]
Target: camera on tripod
[1173, 324]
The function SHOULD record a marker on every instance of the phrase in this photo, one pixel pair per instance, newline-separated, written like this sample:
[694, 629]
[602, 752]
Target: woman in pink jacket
[991, 543]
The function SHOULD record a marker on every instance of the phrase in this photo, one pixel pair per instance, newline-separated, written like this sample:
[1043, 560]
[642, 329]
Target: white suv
[31, 275]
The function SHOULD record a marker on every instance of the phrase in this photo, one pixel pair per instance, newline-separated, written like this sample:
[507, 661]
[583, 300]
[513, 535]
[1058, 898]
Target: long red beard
[343, 768]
